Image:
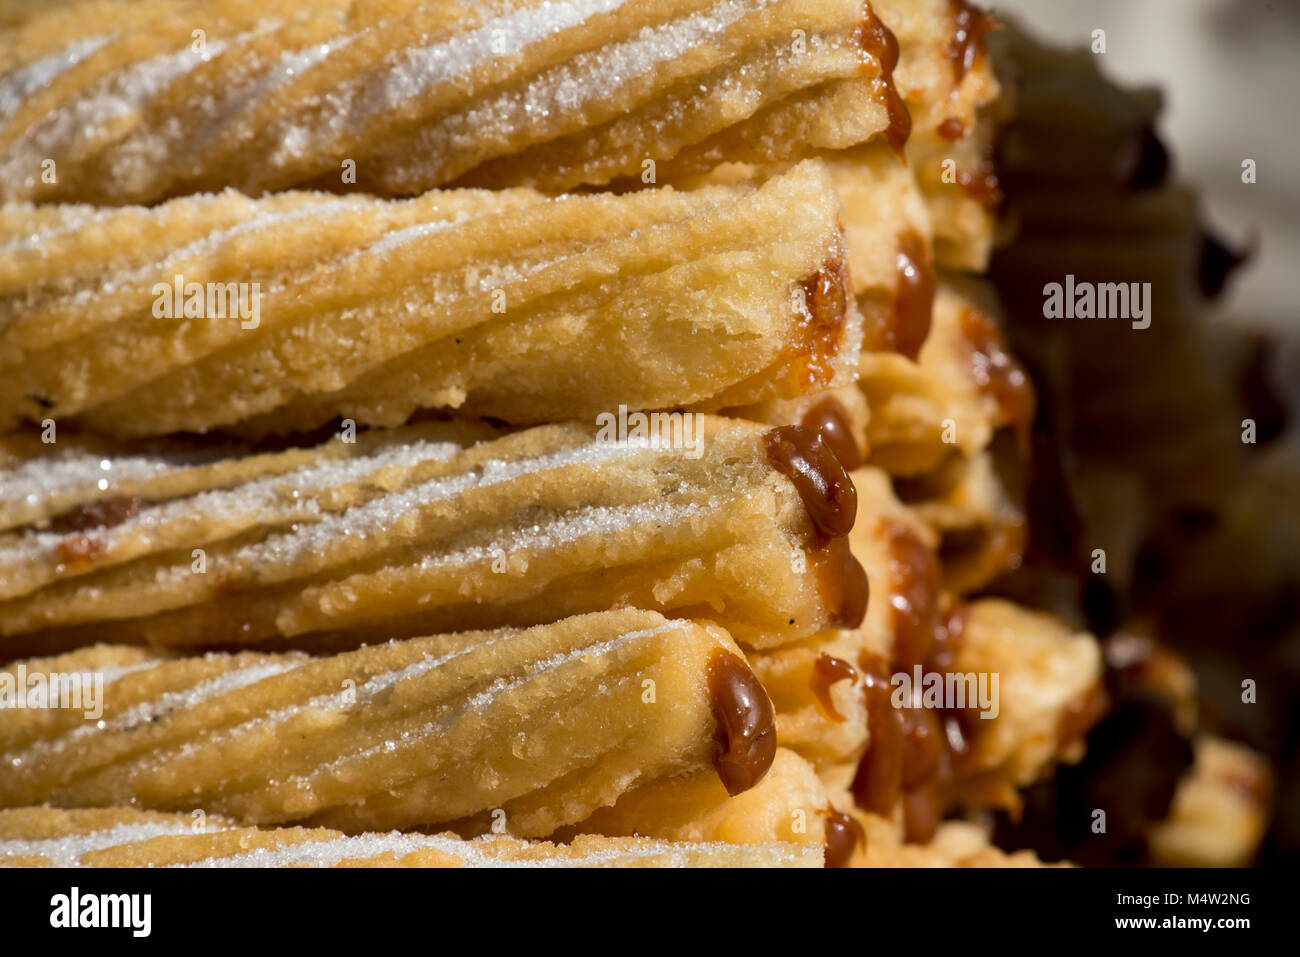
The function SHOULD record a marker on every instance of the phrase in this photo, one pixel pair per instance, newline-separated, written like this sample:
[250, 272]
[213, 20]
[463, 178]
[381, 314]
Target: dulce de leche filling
[967, 44]
[831, 502]
[828, 419]
[913, 296]
[745, 741]
[828, 670]
[821, 481]
[997, 373]
[879, 42]
[823, 307]
[915, 754]
[843, 836]
[102, 514]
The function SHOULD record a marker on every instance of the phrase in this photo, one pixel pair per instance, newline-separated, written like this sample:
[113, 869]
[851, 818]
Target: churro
[730, 519]
[306, 307]
[402, 734]
[400, 97]
[51, 837]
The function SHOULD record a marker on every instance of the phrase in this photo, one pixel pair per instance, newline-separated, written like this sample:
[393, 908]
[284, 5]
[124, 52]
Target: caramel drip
[842, 582]
[982, 185]
[998, 374]
[913, 297]
[915, 754]
[828, 419]
[828, 670]
[952, 129]
[822, 483]
[878, 784]
[914, 580]
[967, 44]
[104, 513]
[745, 742]
[843, 835]
[878, 41]
[825, 299]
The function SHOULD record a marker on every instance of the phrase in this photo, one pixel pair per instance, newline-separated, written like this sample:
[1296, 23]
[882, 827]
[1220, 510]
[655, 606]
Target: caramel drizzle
[967, 43]
[831, 502]
[843, 836]
[913, 297]
[745, 740]
[828, 419]
[824, 297]
[822, 483]
[100, 514]
[998, 374]
[828, 670]
[915, 755]
[879, 42]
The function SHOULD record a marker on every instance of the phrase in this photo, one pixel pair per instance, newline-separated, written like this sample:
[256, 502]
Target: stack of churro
[514, 433]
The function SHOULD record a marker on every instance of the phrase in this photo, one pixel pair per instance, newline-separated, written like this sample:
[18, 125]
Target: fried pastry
[954, 844]
[788, 805]
[404, 96]
[946, 77]
[963, 386]
[1220, 811]
[733, 520]
[118, 837]
[890, 241]
[508, 305]
[887, 234]
[402, 734]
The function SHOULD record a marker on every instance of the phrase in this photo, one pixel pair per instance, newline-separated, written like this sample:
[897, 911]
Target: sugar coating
[280, 551]
[260, 500]
[119, 95]
[141, 278]
[15, 87]
[147, 711]
[424, 67]
[598, 521]
[75, 218]
[68, 851]
[572, 86]
[332, 851]
[335, 851]
[68, 470]
[483, 699]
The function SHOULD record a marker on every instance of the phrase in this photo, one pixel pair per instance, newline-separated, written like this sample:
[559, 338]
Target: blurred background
[1231, 87]
[1211, 524]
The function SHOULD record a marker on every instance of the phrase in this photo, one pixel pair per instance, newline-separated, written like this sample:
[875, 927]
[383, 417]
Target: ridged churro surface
[284, 313]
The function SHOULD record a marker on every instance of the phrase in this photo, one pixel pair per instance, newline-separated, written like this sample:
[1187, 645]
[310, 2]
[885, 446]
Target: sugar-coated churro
[414, 733]
[288, 312]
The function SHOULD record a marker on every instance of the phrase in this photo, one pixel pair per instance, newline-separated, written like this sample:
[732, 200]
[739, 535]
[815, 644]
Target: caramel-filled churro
[119, 837]
[743, 523]
[402, 96]
[413, 733]
[288, 312]
[566, 433]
